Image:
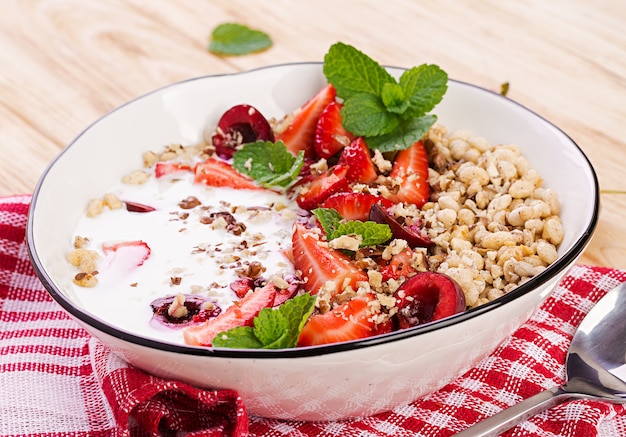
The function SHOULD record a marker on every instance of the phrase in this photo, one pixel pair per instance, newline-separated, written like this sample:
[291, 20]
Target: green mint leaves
[277, 328]
[268, 163]
[390, 114]
[334, 226]
[237, 39]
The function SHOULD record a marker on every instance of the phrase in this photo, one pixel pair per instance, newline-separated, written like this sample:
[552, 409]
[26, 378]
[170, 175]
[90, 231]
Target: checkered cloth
[55, 379]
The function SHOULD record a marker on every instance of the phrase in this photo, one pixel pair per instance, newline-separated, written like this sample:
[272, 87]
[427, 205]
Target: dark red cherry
[240, 125]
[413, 235]
[427, 297]
[197, 311]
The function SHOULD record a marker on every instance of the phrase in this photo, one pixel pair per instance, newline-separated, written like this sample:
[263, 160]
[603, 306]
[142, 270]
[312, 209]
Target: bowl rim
[553, 270]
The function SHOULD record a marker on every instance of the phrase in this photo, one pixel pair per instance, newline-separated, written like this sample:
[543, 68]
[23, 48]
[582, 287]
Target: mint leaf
[296, 312]
[394, 98]
[237, 39]
[352, 72]
[241, 337]
[268, 163]
[366, 115]
[424, 86]
[407, 133]
[329, 218]
[390, 114]
[273, 328]
[270, 328]
[334, 226]
[372, 233]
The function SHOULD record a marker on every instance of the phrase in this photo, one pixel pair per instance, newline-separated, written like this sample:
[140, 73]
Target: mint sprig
[237, 39]
[268, 163]
[334, 226]
[390, 114]
[273, 328]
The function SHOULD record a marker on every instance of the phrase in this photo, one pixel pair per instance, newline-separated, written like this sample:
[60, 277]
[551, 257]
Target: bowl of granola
[328, 243]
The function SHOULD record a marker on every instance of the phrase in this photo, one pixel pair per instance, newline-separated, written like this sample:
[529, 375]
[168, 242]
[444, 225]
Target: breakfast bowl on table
[227, 232]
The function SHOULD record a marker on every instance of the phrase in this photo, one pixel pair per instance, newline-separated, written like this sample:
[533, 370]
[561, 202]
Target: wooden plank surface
[64, 63]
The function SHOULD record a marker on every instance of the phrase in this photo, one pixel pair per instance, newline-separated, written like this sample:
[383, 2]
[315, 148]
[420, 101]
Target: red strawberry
[241, 286]
[239, 125]
[411, 169]
[165, 168]
[427, 297]
[300, 134]
[330, 135]
[125, 256]
[399, 266]
[323, 186]
[216, 173]
[357, 157]
[355, 206]
[319, 263]
[241, 313]
[350, 321]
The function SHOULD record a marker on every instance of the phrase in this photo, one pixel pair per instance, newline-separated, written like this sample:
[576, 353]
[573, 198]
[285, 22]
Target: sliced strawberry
[330, 135]
[323, 186]
[427, 297]
[123, 257]
[411, 170]
[216, 173]
[399, 266]
[300, 134]
[287, 293]
[241, 286]
[356, 156]
[239, 125]
[355, 206]
[320, 264]
[166, 168]
[350, 321]
[241, 313]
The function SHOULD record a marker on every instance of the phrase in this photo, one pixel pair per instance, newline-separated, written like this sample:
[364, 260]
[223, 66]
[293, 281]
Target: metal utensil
[595, 367]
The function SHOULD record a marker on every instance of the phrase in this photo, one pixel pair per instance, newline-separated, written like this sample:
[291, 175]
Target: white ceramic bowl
[321, 383]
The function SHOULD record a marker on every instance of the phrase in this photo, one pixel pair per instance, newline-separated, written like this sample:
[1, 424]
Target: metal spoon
[595, 367]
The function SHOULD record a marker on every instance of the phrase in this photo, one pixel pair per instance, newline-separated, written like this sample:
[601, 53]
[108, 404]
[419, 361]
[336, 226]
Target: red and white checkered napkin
[57, 380]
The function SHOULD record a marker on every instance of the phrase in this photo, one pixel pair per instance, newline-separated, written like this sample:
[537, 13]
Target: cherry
[240, 125]
[426, 297]
[411, 233]
[197, 311]
[138, 207]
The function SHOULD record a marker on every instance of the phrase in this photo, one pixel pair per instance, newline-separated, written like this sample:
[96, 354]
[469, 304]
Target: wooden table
[64, 63]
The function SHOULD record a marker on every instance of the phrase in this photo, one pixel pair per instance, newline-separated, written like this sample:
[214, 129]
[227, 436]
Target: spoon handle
[512, 416]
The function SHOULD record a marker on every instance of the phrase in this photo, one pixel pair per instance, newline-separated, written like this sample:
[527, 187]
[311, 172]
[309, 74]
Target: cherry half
[240, 125]
[426, 297]
[411, 233]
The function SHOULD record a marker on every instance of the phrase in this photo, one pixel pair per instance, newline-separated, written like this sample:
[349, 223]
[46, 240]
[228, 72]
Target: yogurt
[200, 240]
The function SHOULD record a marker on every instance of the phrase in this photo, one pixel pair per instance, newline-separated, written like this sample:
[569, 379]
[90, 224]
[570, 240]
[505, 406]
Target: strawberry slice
[216, 173]
[355, 206]
[411, 169]
[124, 257]
[427, 297]
[330, 135]
[320, 264]
[167, 168]
[241, 313]
[323, 186]
[351, 321]
[356, 156]
[300, 134]
[399, 266]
